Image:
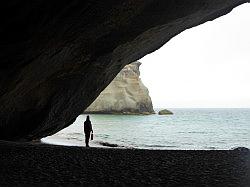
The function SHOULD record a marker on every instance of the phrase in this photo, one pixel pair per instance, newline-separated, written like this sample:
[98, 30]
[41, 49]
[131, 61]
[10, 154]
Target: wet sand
[32, 164]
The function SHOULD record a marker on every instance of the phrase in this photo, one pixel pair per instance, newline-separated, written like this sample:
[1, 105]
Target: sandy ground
[31, 164]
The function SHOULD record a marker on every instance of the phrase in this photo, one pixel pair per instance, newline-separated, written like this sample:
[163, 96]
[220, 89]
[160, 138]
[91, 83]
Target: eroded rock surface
[165, 112]
[57, 56]
[126, 94]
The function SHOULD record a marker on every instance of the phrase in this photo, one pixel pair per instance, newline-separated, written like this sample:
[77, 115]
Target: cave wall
[57, 56]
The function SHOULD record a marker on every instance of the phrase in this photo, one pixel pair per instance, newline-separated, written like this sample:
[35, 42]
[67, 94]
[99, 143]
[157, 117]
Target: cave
[57, 56]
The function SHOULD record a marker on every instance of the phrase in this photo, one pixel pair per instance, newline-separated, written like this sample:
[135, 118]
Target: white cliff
[126, 94]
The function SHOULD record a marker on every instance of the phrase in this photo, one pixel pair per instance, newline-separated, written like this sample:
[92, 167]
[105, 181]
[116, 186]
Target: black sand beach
[32, 164]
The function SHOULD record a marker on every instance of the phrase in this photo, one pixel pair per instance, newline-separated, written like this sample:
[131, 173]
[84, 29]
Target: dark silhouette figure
[87, 130]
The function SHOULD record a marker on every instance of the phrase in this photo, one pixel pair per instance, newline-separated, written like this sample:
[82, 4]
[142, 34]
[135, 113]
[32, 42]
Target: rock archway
[57, 56]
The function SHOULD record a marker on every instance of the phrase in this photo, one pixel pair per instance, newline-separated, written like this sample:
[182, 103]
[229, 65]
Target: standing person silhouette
[87, 130]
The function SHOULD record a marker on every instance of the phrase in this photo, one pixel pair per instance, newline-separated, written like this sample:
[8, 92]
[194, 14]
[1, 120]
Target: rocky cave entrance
[208, 61]
[54, 54]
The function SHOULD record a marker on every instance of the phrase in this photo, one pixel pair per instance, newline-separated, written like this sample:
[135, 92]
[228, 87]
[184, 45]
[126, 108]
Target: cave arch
[53, 54]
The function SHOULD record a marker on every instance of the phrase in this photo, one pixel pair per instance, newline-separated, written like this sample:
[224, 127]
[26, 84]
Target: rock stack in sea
[126, 94]
[165, 112]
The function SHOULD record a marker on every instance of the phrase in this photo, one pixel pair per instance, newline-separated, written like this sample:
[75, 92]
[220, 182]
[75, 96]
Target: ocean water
[187, 129]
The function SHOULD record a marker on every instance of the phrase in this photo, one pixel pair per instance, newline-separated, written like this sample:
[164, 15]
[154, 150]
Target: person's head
[87, 119]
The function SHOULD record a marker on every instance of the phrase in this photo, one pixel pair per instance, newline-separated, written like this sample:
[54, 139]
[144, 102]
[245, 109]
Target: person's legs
[87, 135]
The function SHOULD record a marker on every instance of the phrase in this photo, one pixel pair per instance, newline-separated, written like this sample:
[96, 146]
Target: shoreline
[105, 144]
[44, 164]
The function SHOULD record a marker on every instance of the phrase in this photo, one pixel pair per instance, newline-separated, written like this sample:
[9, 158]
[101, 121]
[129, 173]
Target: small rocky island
[126, 94]
[165, 112]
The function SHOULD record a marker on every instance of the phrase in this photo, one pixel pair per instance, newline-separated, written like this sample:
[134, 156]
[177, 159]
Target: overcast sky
[205, 66]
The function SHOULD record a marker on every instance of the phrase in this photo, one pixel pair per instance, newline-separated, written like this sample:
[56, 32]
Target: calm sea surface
[187, 129]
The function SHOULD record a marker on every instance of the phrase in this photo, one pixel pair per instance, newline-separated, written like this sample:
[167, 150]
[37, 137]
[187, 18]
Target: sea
[187, 129]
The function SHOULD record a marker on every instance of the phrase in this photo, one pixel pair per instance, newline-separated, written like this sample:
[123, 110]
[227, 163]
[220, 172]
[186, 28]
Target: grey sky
[205, 66]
